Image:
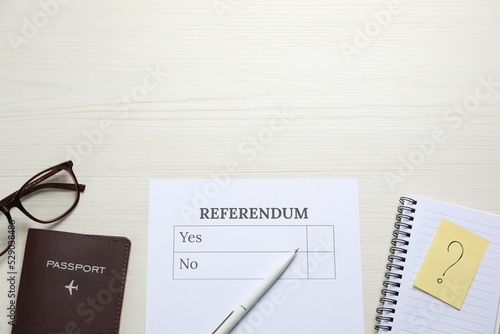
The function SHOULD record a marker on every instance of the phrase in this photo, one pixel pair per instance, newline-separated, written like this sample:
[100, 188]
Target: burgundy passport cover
[71, 283]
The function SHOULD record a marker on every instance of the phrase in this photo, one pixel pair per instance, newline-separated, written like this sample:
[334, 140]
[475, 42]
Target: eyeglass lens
[49, 197]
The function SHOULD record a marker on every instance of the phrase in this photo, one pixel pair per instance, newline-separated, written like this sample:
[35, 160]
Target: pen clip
[223, 321]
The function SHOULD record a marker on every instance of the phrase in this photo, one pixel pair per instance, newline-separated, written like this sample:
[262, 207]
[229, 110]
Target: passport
[71, 283]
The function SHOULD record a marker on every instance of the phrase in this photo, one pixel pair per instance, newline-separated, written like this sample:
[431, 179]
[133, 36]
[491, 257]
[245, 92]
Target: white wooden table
[404, 96]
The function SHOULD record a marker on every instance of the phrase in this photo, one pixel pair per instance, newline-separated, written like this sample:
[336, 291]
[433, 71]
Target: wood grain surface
[402, 95]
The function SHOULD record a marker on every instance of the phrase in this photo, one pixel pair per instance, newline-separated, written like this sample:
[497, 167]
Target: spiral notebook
[407, 309]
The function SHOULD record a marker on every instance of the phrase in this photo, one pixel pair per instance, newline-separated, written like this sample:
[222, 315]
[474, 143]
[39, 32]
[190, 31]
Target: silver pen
[237, 314]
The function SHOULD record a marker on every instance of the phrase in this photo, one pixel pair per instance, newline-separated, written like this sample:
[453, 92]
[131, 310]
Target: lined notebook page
[417, 311]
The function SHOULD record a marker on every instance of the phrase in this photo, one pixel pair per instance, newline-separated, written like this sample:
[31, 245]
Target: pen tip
[296, 250]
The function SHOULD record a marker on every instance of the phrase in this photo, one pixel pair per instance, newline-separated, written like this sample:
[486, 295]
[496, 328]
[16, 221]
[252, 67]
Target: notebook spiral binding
[395, 264]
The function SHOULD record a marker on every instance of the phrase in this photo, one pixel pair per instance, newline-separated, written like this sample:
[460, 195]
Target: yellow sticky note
[450, 264]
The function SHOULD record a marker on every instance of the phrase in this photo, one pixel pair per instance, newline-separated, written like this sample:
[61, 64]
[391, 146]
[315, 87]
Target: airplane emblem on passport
[71, 287]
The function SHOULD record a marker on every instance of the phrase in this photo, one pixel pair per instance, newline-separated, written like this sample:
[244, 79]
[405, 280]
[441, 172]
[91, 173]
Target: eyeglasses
[45, 198]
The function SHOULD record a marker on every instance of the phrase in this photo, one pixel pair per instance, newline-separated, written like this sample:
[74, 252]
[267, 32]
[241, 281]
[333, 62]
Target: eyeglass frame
[14, 200]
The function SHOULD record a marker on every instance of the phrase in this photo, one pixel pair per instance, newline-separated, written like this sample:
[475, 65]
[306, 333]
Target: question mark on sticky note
[454, 270]
[440, 280]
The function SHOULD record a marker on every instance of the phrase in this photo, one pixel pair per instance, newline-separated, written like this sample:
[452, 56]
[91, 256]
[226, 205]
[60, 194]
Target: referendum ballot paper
[211, 242]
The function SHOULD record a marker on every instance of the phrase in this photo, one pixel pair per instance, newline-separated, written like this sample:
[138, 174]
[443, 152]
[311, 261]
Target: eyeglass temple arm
[64, 186]
[36, 186]
[45, 176]
[29, 190]
[36, 183]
